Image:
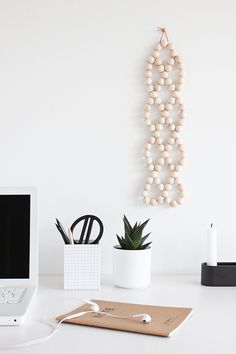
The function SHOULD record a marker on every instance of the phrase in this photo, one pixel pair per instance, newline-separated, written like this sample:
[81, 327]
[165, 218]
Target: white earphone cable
[95, 309]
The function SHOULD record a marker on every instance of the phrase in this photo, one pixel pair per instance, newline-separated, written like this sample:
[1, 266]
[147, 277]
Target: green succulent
[133, 239]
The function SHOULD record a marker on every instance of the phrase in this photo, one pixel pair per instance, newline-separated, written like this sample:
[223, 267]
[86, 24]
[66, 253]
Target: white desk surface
[211, 329]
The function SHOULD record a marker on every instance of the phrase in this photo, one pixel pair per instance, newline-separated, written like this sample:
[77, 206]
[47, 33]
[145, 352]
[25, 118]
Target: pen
[70, 236]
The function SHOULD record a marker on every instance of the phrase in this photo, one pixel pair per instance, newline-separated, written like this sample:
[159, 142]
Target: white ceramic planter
[131, 268]
[82, 266]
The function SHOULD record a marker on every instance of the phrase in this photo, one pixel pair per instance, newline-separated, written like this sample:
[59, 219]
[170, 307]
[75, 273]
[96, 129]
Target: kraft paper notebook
[165, 320]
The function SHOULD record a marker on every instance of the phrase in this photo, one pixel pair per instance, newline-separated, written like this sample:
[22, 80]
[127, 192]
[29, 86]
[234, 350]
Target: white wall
[72, 94]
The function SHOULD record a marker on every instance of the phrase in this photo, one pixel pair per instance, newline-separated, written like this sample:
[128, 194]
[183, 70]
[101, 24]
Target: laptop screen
[14, 236]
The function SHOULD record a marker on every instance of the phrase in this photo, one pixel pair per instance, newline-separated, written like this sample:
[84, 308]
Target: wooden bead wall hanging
[164, 117]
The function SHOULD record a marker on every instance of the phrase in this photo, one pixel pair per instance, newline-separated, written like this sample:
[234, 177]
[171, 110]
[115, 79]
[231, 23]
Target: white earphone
[94, 308]
[145, 318]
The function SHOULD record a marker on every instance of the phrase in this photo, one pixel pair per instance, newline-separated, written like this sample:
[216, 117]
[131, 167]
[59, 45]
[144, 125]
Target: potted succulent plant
[132, 257]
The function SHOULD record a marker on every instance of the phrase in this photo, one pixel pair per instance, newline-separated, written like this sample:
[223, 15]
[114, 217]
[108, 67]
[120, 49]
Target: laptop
[18, 252]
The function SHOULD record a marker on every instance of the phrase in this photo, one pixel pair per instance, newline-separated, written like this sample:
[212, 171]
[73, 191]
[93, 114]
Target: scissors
[86, 231]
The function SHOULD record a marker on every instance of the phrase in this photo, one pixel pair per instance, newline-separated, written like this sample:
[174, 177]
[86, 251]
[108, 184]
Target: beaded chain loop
[164, 151]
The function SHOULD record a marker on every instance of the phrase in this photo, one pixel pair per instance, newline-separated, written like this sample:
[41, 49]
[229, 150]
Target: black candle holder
[224, 274]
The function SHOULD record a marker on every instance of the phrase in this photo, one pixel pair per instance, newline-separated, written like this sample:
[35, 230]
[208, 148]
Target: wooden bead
[147, 153]
[152, 127]
[149, 160]
[178, 87]
[147, 187]
[171, 167]
[168, 81]
[152, 140]
[161, 187]
[150, 88]
[168, 187]
[160, 199]
[172, 127]
[161, 161]
[179, 200]
[176, 94]
[168, 68]
[149, 180]
[171, 61]
[149, 66]
[159, 127]
[156, 54]
[148, 146]
[158, 47]
[164, 74]
[157, 180]
[171, 180]
[170, 46]
[162, 120]
[153, 202]
[157, 167]
[153, 94]
[151, 59]
[145, 193]
[161, 68]
[164, 154]
[178, 128]
[168, 147]
[177, 59]
[148, 73]
[147, 200]
[148, 81]
[154, 174]
[165, 113]
[157, 62]
[173, 203]
[175, 134]
[164, 194]
[181, 121]
[150, 100]
[171, 100]
[161, 147]
[167, 200]
[158, 100]
[147, 107]
[156, 134]
[148, 122]
[178, 141]
[146, 114]
[172, 88]
[161, 107]
[151, 167]
[157, 88]
[171, 141]
[169, 160]
[161, 81]
[168, 107]
[159, 141]
[174, 174]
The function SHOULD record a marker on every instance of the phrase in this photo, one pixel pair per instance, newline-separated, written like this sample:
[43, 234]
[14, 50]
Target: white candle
[212, 246]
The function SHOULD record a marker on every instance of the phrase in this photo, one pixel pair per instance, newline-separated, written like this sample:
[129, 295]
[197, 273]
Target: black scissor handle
[90, 219]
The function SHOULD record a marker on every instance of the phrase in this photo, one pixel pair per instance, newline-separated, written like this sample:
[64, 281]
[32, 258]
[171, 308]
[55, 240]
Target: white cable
[95, 309]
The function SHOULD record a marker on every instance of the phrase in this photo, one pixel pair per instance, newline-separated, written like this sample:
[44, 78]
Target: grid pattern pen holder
[82, 267]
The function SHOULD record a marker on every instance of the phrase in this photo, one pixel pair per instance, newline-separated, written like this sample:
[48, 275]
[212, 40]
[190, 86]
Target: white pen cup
[82, 267]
